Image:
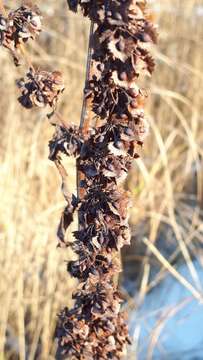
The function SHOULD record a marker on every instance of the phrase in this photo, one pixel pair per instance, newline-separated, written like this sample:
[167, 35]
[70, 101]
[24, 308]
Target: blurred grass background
[166, 184]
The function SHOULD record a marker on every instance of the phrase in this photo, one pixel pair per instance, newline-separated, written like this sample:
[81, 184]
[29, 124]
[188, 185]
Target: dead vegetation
[166, 184]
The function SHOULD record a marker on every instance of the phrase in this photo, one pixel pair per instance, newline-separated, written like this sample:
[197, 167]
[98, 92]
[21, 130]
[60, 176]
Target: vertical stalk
[84, 120]
[85, 113]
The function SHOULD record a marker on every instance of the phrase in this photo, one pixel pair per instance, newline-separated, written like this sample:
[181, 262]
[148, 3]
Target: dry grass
[167, 189]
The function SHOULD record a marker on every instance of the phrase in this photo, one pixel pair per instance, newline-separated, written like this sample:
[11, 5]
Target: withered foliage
[18, 27]
[94, 328]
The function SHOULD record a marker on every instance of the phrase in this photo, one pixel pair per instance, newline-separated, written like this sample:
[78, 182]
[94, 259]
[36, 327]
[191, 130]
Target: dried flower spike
[95, 328]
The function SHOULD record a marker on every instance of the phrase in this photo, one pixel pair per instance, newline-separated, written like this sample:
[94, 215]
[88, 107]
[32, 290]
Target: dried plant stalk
[95, 328]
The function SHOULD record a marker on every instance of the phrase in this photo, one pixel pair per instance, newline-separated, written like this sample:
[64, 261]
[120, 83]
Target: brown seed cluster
[18, 27]
[94, 328]
[40, 88]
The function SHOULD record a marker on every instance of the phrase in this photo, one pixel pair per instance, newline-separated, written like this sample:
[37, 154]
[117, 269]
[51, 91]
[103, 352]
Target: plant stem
[85, 113]
[25, 54]
[84, 118]
[84, 126]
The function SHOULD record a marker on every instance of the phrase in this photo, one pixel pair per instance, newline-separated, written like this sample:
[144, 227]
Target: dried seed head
[40, 88]
[19, 26]
[26, 22]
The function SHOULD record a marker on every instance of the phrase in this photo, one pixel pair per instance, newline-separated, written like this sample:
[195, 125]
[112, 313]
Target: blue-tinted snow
[171, 315]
